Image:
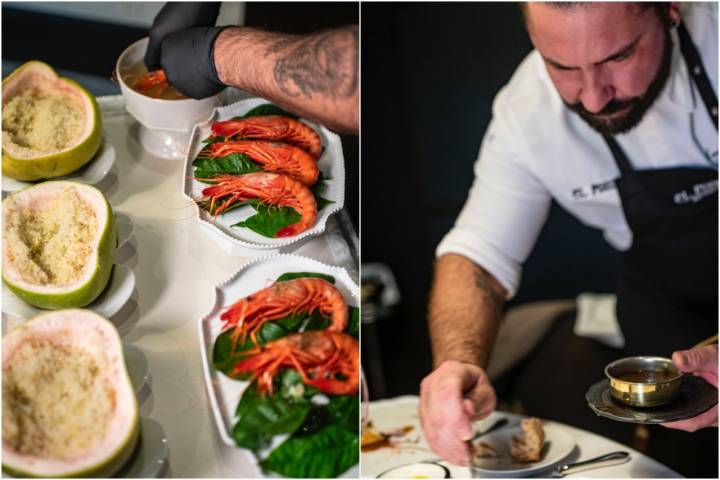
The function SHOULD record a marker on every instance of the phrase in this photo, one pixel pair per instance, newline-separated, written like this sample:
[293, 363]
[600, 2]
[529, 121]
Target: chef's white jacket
[535, 150]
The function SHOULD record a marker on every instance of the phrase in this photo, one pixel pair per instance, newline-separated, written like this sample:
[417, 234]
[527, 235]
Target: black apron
[667, 296]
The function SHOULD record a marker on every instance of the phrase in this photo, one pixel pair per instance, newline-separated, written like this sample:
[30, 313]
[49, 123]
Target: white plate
[558, 445]
[417, 470]
[94, 171]
[225, 393]
[116, 294]
[331, 163]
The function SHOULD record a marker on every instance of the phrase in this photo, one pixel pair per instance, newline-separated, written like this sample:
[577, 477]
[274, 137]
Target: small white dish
[331, 163]
[558, 445]
[113, 298]
[91, 173]
[165, 125]
[225, 393]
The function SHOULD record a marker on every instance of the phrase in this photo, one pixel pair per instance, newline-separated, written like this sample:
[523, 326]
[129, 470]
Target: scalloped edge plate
[223, 392]
[696, 396]
[331, 162]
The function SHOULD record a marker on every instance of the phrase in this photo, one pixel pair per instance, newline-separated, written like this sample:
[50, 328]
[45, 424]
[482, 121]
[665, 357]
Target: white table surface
[176, 266]
[392, 414]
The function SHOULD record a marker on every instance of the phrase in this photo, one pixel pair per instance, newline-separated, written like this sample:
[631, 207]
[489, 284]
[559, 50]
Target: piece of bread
[528, 447]
[483, 450]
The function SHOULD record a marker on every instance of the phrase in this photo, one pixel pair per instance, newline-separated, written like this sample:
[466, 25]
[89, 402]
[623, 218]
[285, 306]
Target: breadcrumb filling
[56, 401]
[39, 121]
[51, 244]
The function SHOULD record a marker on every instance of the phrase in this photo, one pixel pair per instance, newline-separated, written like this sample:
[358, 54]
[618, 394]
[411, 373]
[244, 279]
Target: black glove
[189, 63]
[175, 16]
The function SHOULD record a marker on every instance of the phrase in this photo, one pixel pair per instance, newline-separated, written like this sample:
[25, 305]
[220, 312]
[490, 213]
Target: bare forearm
[465, 308]
[315, 76]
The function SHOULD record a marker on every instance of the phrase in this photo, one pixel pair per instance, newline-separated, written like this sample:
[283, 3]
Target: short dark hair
[661, 8]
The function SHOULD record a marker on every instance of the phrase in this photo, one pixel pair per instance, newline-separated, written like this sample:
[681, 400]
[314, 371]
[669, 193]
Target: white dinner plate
[558, 445]
[331, 163]
[91, 173]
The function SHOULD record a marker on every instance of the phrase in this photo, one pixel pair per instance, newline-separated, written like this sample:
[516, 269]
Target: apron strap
[699, 75]
[618, 154]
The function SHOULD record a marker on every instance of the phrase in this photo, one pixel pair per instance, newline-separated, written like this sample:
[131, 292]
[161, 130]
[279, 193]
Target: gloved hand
[188, 59]
[176, 16]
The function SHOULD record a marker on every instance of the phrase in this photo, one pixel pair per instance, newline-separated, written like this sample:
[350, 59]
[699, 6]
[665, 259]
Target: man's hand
[189, 61]
[176, 16]
[451, 397]
[703, 362]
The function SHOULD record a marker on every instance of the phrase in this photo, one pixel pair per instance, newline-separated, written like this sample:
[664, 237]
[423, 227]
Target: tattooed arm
[315, 76]
[465, 307]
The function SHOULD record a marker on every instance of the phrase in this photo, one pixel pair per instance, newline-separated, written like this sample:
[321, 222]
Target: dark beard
[637, 107]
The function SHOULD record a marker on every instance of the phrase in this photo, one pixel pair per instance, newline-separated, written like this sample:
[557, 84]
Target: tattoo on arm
[324, 64]
[484, 282]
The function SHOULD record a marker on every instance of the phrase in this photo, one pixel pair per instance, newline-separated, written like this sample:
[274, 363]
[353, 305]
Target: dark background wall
[430, 73]
[87, 50]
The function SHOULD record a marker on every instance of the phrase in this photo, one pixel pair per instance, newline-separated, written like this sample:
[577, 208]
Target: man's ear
[674, 13]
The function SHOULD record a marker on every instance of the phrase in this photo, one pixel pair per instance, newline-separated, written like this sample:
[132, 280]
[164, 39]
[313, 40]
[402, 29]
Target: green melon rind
[88, 291]
[61, 163]
[107, 468]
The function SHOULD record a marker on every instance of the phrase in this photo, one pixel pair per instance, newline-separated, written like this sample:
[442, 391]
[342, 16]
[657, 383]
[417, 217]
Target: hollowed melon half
[58, 242]
[69, 409]
[51, 126]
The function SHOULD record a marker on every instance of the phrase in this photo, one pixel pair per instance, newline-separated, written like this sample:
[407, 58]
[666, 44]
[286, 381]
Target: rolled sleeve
[505, 210]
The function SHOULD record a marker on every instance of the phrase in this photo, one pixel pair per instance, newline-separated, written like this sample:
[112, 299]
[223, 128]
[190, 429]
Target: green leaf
[212, 139]
[225, 357]
[317, 322]
[342, 410]
[268, 109]
[323, 202]
[326, 453]
[317, 190]
[260, 417]
[293, 275]
[291, 386]
[345, 411]
[293, 322]
[233, 164]
[270, 219]
[353, 327]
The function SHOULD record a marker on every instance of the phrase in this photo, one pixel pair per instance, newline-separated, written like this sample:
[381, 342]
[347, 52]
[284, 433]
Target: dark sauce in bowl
[647, 376]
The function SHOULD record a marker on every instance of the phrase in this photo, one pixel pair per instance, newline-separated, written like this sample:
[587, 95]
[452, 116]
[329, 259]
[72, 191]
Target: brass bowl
[643, 381]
